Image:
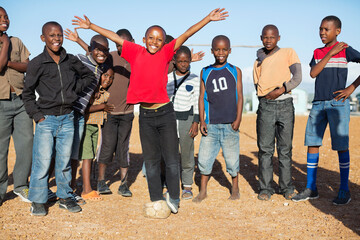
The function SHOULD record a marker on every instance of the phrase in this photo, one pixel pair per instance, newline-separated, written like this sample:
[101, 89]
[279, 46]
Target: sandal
[289, 195]
[92, 196]
[264, 196]
[187, 194]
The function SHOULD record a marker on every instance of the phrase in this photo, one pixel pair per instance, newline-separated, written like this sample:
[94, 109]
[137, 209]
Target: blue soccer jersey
[220, 99]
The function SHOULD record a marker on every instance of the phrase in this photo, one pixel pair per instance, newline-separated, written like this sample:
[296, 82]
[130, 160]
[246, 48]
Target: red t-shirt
[148, 77]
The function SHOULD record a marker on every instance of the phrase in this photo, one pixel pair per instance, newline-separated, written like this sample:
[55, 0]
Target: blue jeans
[159, 138]
[79, 127]
[275, 121]
[219, 135]
[337, 114]
[15, 122]
[58, 130]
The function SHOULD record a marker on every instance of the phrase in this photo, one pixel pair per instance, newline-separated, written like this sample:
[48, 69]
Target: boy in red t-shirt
[149, 67]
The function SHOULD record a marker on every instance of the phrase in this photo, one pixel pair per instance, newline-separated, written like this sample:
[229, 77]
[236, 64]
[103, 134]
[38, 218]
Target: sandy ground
[216, 217]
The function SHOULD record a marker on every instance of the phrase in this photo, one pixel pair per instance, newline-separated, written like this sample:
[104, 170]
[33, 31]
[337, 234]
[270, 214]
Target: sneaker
[38, 209]
[306, 195]
[172, 204]
[103, 188]
[51, 196]
[69, 204]
[342, 198]
[78, 199]
[23, 194]
[124, 190]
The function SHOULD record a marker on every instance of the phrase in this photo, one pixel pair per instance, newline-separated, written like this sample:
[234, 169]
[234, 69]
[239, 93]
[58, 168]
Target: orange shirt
[274, 70]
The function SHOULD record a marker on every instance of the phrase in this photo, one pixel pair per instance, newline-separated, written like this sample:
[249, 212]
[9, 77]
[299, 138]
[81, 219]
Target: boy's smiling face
[221, 50]
[154, 39]
[99, 51]
[4, 20]
[53, 37]
[328, 32]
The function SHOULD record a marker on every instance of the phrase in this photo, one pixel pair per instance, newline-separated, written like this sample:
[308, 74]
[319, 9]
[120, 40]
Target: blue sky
[298, 22]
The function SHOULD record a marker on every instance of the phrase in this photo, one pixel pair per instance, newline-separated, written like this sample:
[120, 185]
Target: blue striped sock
[344, 163]
[312, 165]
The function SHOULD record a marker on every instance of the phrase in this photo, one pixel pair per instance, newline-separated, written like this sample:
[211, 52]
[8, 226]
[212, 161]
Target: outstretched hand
[218, 14]
[71, 35]
[81, 23]
[196, 56]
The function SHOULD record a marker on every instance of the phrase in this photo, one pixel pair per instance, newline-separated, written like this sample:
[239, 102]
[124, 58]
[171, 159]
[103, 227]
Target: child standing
[329, 66]
[95, 116]
[183, 91]
[221, 100]
[117, 129]
[14, 121]
[275, 115]
[98, 53]
[57, 77]
[148, 87]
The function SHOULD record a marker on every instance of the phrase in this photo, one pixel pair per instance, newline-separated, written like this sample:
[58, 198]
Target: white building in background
[300, 99]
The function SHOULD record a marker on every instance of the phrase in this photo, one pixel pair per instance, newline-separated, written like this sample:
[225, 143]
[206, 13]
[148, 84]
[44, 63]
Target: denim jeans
[115, 139]
[15, 122]
[337, 114]
[275, 120]
[79, 127]
[219, 135]
[58, 130]
[159, 137]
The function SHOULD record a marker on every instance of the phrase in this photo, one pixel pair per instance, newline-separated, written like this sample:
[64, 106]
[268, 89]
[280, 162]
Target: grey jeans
[275, 120]
[186, 151]
[15, 122]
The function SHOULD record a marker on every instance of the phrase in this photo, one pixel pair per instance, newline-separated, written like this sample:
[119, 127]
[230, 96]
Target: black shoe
[306, 195]
[124, 190]
[342, 198]
[69, 204]
[103, 188]
[38, 209]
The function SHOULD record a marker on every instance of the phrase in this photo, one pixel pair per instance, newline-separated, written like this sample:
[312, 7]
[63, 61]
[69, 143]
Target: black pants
[115, 138]
[159, 138]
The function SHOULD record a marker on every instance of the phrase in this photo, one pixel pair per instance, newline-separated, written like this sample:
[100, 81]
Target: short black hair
[270, 27]
[106, 66]
[51, 23]
[98, 39]
[126, 33]
[218, 38]
[183, 49]
[333, 19]
[155, 26]
[168, 38]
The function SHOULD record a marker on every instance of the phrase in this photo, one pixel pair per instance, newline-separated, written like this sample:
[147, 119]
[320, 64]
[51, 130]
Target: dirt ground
[216, 217]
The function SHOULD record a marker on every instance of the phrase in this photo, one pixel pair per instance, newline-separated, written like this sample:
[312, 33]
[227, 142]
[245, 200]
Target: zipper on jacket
[62, 87]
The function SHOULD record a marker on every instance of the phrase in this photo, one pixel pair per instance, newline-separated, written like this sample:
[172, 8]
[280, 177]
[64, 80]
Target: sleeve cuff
[196, 118]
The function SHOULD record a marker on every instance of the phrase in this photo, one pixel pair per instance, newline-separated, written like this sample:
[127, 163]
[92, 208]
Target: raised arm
[215, 15]
[316, 69]
[86, 24]
[73, 36]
